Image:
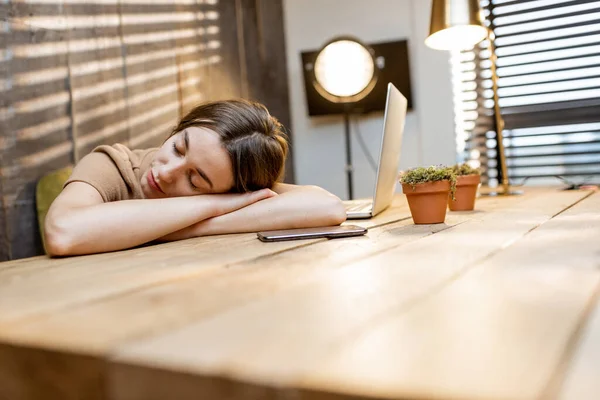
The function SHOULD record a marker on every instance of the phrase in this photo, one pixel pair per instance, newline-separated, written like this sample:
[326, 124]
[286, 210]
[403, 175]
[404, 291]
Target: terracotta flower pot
[427, 201]
[466, 189]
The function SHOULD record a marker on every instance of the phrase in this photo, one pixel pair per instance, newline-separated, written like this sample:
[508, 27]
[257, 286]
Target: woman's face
[190, 162]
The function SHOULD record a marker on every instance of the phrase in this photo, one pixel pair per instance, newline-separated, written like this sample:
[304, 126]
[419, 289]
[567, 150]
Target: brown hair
[254, 139]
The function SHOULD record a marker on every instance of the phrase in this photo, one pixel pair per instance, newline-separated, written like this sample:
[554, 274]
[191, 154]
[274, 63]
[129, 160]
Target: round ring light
[345, 70]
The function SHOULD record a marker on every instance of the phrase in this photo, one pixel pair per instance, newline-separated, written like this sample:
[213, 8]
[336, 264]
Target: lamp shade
[455, 25]
[345, 70]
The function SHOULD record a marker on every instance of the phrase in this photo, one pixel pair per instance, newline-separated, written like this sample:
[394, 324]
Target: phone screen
[312, 233]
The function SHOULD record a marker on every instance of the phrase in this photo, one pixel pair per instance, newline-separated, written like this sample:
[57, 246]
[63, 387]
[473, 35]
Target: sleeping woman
[218, 172]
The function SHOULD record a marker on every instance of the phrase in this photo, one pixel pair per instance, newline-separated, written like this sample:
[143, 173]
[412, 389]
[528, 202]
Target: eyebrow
[200, 172]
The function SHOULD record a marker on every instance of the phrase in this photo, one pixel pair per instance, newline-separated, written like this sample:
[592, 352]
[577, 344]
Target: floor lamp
[345, 72]
[456, 25]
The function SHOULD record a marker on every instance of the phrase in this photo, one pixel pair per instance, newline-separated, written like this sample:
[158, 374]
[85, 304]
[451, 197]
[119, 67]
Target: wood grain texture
[579, 373]
[28, 373]
[99, 326]
[49, 284]
[490, 305]
[126, 380]
[281, 338]
[43, 285]
[226, 78]
[263, 38]
[96, 327]
[497, 333]
[122, 315]
[581, 380]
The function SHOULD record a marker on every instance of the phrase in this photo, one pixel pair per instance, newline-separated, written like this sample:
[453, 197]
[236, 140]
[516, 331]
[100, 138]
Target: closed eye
[192, 183]
[180, 154]
[186, 142]
[176, 150]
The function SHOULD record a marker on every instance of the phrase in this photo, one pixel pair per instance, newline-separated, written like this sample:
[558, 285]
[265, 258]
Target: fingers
[262, 194]
[226, 203]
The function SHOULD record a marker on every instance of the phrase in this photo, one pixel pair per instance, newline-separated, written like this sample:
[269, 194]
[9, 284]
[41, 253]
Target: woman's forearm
[301, 208]
[124, 224]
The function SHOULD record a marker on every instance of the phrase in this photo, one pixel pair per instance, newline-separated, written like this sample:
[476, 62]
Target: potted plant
[467, 181]
[427, 190]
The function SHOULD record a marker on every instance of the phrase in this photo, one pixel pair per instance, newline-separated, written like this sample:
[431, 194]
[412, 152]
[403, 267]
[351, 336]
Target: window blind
[548, 64]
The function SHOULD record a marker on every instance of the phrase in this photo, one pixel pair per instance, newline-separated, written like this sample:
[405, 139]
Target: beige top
[115, 171]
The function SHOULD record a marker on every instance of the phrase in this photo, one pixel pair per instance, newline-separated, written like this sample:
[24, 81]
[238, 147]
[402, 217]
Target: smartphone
[330, 232]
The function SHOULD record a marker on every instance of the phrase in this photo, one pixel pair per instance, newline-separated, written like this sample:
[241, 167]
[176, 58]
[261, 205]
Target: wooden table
[499, 303]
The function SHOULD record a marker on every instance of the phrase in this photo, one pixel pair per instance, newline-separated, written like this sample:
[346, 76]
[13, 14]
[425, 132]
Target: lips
[152, 182]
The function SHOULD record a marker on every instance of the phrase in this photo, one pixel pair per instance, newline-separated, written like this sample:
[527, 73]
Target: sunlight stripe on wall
[100, 43]
[43, 129]
[101, 2]
[41, 103]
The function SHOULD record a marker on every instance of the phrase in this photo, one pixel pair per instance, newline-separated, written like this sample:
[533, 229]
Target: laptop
[389, 159]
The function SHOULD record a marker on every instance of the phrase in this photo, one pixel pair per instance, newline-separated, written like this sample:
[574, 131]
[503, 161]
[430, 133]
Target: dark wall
[126, 76]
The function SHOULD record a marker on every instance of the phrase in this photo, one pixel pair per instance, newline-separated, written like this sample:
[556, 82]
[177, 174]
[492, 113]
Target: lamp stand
[348, 152]
[499, 124]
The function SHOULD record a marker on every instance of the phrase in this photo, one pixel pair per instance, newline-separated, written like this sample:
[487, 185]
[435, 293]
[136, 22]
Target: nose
[168, 172]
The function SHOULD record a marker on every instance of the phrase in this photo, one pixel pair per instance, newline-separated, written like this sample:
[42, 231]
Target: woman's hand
[226, 203]
[221, 204]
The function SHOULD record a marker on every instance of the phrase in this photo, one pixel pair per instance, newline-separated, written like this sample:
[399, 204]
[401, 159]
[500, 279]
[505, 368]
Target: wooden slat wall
[75, 74]
[5, 122]
[265, 57]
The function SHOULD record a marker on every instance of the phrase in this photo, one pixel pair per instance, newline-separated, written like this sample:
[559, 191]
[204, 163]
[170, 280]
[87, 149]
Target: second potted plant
[467, 181]
[427, 190]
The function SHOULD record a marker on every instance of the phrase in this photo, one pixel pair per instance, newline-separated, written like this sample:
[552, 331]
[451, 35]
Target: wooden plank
[398, 210]
[497, 333]
[82, 9]
[18, 180]
[6, 145]
[265, 67]
[578, 377]
[44, 374]
[48, 284]
[22, 218]
[43, 284]
[6, 265]
[171, 385]
[223, 80]
[4, 243]
[581, 380]
[277, 339]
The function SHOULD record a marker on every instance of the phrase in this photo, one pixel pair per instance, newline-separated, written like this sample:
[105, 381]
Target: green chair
[48, 188]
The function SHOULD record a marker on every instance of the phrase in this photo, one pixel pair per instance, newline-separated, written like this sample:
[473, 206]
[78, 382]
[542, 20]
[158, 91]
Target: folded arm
[293, 207]
[79, 222]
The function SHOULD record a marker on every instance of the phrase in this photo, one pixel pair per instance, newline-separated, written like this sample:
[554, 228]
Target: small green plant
[465, 169]
[436, 173]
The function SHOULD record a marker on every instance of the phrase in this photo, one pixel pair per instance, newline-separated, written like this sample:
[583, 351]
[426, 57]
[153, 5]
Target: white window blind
[548, 63]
